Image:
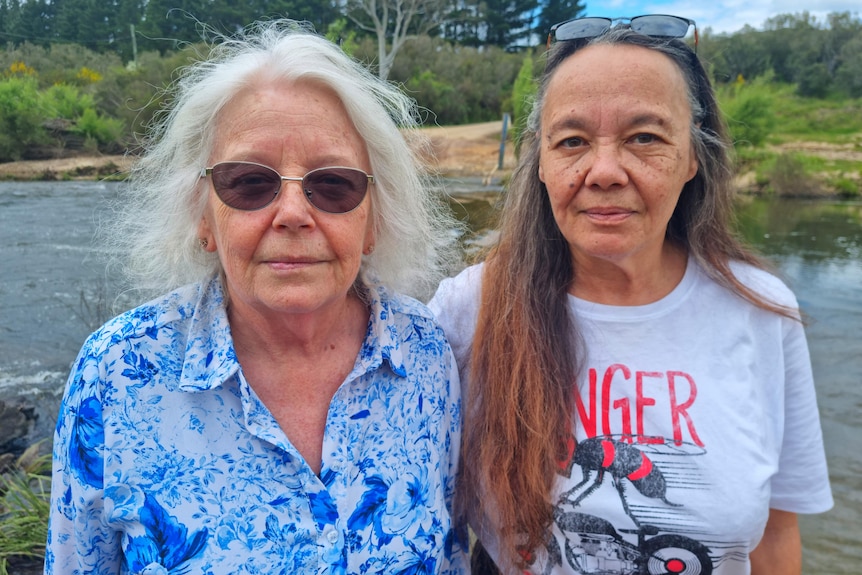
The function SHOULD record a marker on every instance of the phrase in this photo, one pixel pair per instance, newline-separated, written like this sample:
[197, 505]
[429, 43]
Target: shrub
[21, 117]
[789, 177]
[848, 187]
[748, 111]
[102, 130]
[67, 102]
[426, 85]
[522, 99]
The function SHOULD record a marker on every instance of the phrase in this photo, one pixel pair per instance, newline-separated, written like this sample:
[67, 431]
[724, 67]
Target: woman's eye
[644, 138]
[572, 142]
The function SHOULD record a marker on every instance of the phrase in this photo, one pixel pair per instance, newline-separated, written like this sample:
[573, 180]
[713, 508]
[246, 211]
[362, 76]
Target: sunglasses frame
[552, 33]
[308, 193]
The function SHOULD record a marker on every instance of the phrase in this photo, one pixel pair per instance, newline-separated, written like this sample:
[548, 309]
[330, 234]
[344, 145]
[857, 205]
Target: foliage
[849, 72]
[135, 94]
[392, 23]
[60, 63]
[788, 176]
[523, 94]
[819, 57]
[749, 113]
[798, 78]
[469, 84]
[427, 86]
[100, 130]
[20, 117]
[555, 11]
[24, 508]
[848, 187]
[507, 24]
[339, 33]
[67, 102]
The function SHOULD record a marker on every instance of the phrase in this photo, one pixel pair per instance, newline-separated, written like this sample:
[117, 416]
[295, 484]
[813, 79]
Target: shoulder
[458, 293]
[764, 283]
[404, 316]
[149, 319]
[456, 307]
[407, 306]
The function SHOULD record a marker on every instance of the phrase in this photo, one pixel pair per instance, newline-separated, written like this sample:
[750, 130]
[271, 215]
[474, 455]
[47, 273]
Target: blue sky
[722, 15]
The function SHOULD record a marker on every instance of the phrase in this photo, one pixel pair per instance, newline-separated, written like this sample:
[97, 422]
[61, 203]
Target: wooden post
[503, 141]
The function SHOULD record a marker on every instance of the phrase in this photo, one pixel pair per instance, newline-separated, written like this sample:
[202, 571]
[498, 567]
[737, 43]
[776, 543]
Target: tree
[731, 56]
[231, 17]
[555, 11]
[461, 23]
[168, 24]
[394, 22]
[849, 72]
[509, 23]
[35, 22]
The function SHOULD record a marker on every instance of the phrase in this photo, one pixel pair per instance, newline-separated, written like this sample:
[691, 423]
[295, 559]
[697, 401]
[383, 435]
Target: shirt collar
[383, 341]
[210, 359]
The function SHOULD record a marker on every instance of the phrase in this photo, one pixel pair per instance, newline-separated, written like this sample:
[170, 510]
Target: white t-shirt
[695, 415]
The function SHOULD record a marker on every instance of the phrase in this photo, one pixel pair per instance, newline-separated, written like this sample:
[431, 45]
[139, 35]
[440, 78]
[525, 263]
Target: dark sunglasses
[250, 186]
[656, 25]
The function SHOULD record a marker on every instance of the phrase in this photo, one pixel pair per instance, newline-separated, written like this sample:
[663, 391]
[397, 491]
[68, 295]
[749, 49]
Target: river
[54, 290]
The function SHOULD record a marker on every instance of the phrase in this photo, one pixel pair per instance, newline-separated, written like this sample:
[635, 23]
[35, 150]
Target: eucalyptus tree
[394, 22]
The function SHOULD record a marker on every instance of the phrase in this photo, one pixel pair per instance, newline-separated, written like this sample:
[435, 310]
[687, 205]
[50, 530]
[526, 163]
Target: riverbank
[83, 167]
[456, 151]
[474, 151]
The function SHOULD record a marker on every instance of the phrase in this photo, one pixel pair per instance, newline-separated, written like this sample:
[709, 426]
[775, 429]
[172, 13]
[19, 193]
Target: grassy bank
[794, 146]
[25, 486]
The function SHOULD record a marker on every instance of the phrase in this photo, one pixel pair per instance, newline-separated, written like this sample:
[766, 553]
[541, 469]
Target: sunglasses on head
[656, 25]
[249, 186]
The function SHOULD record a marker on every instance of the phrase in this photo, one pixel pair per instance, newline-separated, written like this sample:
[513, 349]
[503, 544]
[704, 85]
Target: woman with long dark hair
[640, 396]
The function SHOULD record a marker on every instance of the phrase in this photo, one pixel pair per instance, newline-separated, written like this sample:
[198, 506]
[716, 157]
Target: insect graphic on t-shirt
[624, 462]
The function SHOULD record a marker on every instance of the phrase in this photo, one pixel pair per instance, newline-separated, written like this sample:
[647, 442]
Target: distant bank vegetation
[795, 80]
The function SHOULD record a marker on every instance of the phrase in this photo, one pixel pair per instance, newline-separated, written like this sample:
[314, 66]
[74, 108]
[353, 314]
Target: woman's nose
[292, 206]
[606, 168]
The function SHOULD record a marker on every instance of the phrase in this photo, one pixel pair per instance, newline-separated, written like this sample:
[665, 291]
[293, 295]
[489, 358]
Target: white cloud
[724, 15]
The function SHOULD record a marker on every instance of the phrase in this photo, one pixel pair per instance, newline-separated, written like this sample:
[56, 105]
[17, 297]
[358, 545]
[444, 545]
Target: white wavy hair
[155, 228]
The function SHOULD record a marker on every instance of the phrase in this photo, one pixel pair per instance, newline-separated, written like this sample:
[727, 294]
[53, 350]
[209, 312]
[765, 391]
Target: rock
[20, 425]
[17, 420]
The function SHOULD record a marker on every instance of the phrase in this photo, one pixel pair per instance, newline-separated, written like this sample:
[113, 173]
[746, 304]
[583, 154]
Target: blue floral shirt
[165, 460]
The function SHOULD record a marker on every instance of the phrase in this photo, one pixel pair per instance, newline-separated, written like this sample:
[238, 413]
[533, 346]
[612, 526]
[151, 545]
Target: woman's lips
[608, 215]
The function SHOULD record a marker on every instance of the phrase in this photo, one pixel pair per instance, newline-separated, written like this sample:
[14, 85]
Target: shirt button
[332, 537]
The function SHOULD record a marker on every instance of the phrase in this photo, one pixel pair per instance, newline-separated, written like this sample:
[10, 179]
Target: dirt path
[470, 150]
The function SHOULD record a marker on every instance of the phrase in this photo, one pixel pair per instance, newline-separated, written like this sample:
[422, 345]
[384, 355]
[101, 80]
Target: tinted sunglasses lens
[245, 186]
[335, 190]
[582, 28]
[663, 26]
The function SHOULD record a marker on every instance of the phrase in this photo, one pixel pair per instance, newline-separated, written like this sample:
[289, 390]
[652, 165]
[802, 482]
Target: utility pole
[134, 45]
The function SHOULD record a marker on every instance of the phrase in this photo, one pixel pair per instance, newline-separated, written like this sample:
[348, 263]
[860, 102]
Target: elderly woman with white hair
[283, 409]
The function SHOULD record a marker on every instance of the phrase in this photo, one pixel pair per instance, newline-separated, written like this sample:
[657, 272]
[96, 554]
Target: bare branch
[394, 22]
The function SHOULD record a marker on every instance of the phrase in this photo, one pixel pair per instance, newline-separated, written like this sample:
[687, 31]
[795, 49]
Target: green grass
[25, 492]
[764, 116]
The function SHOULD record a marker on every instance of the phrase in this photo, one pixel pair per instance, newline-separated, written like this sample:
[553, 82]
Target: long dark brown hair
[527, 350]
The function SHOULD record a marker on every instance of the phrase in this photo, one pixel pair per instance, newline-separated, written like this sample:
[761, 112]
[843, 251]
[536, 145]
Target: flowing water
[54, 290]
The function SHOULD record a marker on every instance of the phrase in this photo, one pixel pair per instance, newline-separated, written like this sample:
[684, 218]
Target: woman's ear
[206, 240]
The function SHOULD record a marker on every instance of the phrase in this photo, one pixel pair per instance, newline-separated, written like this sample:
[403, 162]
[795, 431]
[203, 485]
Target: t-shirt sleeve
[456, 307]
[802, 482]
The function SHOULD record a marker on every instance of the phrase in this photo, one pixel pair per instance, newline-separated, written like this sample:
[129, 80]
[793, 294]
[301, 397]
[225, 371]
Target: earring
[369, 250]
[203, 242]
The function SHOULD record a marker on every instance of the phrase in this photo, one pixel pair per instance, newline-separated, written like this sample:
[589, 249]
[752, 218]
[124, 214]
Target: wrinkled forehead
[607, 71]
